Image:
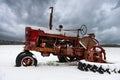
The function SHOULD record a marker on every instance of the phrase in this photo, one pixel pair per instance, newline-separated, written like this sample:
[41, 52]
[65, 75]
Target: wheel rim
[27, 61]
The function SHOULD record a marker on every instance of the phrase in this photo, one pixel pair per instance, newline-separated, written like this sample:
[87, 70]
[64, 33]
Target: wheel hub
[27, 61]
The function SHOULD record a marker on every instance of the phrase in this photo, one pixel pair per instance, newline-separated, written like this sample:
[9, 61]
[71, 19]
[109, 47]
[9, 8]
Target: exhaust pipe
[51, 18]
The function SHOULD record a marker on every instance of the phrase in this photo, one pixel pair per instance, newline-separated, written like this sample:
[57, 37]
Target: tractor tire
[98, 67]
[26, 59]
[65, 58]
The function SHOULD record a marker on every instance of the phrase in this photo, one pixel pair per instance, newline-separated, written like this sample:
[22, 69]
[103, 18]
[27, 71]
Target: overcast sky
[102, 17]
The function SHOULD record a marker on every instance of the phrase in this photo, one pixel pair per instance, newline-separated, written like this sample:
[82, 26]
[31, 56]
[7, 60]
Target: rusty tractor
[67, 46]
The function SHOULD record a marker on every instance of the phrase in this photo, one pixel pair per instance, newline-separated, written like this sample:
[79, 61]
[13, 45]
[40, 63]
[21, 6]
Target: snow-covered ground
[48, 68]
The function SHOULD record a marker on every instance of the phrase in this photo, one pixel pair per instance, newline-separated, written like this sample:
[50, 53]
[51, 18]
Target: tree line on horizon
[6, 42]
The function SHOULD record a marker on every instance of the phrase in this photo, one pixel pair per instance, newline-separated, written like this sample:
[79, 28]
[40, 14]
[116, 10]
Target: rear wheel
[26, 59]
[65, 58]
[96, 54]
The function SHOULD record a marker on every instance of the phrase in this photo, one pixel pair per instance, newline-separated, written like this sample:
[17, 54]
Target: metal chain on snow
[101, 68]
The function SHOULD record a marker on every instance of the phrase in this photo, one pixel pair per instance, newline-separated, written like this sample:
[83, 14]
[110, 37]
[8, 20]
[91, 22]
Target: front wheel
[26, 59]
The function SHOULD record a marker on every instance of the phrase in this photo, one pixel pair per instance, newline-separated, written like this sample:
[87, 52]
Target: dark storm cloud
[29, 11]
[117, 5]
[16, 14]
[100, 16]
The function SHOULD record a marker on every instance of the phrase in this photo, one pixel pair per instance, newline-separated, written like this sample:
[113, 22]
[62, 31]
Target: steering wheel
[83, 29]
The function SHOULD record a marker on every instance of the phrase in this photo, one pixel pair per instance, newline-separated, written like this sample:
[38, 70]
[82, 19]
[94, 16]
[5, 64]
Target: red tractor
[62, 43]
[67, 48]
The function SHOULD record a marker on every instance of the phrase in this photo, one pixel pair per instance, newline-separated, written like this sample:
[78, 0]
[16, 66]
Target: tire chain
[94, 68]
